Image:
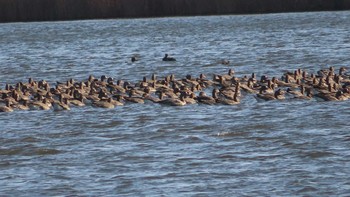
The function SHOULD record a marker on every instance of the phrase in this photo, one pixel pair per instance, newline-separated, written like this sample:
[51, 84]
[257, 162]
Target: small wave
[231, 134]
[44, 151]
[307, 189]
[29, 152]
[318, 154]
[30, 139]
[14, 151]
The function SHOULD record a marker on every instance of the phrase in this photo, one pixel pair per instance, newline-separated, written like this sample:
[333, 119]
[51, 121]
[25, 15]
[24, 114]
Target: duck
[118, 101]
[286, 82]
[295, 92]
[341, 96]
[326, 72]
[7, 107]
[134, 59]
[224, 62]
[225, 77]
[78, 100]
[22, 105]
[61, 104]
[279, 94]
[308, 95]
[171, 101]
[148, 95]
[249, 87]
[205, 99]
[134, 99]
[190, 98]
[40, 104]
[116, 88]
[104, 104]
[203, 81]
[224, 100]
[167, 58]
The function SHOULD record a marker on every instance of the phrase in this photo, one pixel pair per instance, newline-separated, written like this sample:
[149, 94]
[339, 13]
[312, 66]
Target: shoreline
[67, 10]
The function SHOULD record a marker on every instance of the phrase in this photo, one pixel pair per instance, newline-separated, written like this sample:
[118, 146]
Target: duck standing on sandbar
[167, 58]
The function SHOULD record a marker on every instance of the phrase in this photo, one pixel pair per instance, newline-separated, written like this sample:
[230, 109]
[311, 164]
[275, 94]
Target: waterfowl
[188, 81]
[78, 100]
[143, 83]
[326, 94]
[167, 58]
[117, 102]
[308, 95]
[341, 96]
[224, 100]
[286, 82]
[92, 96]
[205, 99]
[39, 105]
[295, 92]
[321, 84]
[116, 88]
[132, 98]
[279, 94]
[7, 107]
[226, 77]
[147, 96]
[133, 59]
[231, 92]
[104, 104]
[171, 101]
[190, 99]
[22, 105]
[61, 104]
[249, 87]
[203, 81]
[224, 62]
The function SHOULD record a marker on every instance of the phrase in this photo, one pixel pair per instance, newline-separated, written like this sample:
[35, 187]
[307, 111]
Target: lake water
[276, 148]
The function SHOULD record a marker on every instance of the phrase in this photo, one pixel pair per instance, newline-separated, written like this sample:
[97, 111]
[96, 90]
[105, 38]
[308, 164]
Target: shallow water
[278, 148]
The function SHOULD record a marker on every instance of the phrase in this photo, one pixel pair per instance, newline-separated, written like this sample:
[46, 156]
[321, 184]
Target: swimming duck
[133, 59]
[116, 88]
[118, 102]
[279, 94]
[104, 104]
[190, 98]
[78, 100]
[167, 58]
[7, 107]
[228, 76]
[249, 87]
[224, 100]
[171, 101]
[326, 96]
[40, 104]
[295, 92]
[205, 99]
[61, 104]
[22, 105]
[148, 96]
[203, 81]
[341, 96]
[326, 72]
[134, 99]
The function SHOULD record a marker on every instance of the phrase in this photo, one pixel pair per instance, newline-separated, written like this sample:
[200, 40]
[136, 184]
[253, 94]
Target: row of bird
[227, 89]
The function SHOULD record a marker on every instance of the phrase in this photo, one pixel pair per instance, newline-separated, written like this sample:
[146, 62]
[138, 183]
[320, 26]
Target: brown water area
[52, 10]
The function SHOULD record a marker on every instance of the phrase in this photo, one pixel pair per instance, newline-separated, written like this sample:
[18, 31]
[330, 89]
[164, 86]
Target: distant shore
[54, 10]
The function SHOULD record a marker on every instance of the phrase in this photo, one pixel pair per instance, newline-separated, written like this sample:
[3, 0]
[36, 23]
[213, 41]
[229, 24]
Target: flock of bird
[226, 89]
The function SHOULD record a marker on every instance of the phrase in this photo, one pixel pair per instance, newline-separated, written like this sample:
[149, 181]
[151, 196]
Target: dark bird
[133, 59]
[167, 58]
